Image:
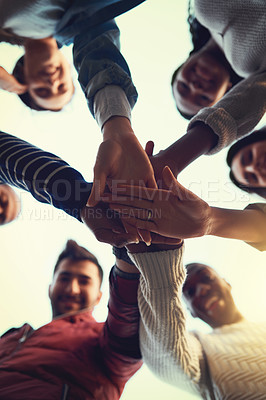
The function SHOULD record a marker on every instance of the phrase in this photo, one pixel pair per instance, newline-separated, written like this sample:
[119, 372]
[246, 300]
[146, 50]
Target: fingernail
[148, 243]
[137, 241]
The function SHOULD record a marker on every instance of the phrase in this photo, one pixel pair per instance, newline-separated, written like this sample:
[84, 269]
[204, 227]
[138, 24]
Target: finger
[171, 182]
[149, 148]
[97, 191]
[115, 239]
[130, 229]
[126, 212]
[145, 236]
[156, 239]
[151, 182]
[22, 89]
[147, 225]
[124, 192]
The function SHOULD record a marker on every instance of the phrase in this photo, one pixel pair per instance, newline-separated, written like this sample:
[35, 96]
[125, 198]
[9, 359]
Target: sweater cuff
[160, 269]
[222, 124]
[109, 102]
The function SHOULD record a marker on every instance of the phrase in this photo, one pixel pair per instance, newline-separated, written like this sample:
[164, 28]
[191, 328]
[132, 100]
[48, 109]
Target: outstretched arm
[106, 81]
[177, 212]
[51, 180]
[169, 350]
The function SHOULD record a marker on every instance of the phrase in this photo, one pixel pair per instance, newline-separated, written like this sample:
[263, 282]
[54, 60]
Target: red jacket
[75, 357]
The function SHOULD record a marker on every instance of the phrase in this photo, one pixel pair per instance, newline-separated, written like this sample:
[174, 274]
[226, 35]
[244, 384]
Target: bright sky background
[155, 40]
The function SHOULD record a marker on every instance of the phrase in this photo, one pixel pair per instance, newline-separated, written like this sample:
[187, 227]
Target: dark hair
[78, 253]
[256, 136]
[26, 98]
[194, 266]
[199, 37]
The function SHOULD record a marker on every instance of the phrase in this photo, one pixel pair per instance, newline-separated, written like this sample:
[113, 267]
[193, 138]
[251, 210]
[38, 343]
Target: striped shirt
[47, 177]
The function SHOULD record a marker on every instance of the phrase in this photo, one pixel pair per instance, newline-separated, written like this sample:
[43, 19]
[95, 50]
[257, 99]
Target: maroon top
[75, 357]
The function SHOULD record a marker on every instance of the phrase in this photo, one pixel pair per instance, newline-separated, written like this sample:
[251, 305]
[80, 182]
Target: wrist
[117, 128]
[208, 138]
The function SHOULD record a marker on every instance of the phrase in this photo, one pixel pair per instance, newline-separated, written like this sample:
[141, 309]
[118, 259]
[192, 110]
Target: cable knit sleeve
[169, 350]
[237, 113]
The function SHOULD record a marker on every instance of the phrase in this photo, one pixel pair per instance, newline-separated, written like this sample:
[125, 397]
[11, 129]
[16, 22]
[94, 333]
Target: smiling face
[47, 74]
[75, 287]
[249, 165]
[9, 204]
[209, 297]
[201, 81]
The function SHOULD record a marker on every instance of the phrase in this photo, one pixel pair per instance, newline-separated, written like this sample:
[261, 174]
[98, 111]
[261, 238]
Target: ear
[228, 284]
[97, 301]
[49, 291]
[229, 86]
[192, 312]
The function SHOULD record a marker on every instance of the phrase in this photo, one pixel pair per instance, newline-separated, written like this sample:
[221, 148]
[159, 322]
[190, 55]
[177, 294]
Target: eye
[205, 98]
[84, 282]
[246, 158]
[251, 178]
[3, 200]
[64, 279]
[182, 87]
[207, 278]
[190, 292]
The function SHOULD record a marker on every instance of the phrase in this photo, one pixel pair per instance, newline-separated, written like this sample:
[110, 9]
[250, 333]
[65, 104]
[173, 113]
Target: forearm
[237, 113]
[120, 339]
[247, 225]
[118, 128]
[47, 177]
[198, 140]
[167, 348]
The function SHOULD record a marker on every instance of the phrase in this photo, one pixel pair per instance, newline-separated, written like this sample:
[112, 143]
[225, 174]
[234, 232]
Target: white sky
[155, 40]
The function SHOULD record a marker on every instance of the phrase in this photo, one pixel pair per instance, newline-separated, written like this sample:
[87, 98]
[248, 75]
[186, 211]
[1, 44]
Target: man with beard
[227, 363]
[74, 357]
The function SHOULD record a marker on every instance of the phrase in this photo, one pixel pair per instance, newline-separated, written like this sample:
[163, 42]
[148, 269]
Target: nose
[73, 287]
[197, 84]
[202, 289]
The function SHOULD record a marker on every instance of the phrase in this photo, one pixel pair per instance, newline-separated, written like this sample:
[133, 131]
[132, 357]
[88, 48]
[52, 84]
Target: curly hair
[256, 136]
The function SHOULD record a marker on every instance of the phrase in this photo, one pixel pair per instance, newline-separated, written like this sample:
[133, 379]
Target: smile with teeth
[212, 303]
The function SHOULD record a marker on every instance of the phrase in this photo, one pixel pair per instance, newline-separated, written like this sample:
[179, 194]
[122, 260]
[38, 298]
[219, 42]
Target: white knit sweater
[228, 363]
[239, 28]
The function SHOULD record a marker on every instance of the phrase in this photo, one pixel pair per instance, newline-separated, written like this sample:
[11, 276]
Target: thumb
[171, 183]
[149, 148]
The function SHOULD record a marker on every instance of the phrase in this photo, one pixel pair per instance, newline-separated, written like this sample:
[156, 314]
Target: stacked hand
[121, 159]
[108, 228]
[10, 83]
[176, 212]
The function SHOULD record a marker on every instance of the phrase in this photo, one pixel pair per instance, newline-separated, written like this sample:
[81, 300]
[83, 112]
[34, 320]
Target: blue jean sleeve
[47, 177]
[97, 58]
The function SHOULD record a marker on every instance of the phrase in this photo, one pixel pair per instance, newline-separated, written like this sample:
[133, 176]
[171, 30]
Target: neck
[36, 45]
[212, 48]
[233, 319]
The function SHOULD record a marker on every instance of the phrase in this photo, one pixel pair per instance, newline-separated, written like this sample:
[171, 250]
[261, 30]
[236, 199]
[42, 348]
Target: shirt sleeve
[172, 352]
[120, 339]
[47, 177]
[262, 208]
[237, 113]
[97, 58]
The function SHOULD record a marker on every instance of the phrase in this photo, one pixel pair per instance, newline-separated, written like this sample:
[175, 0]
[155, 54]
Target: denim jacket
[96, 52]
